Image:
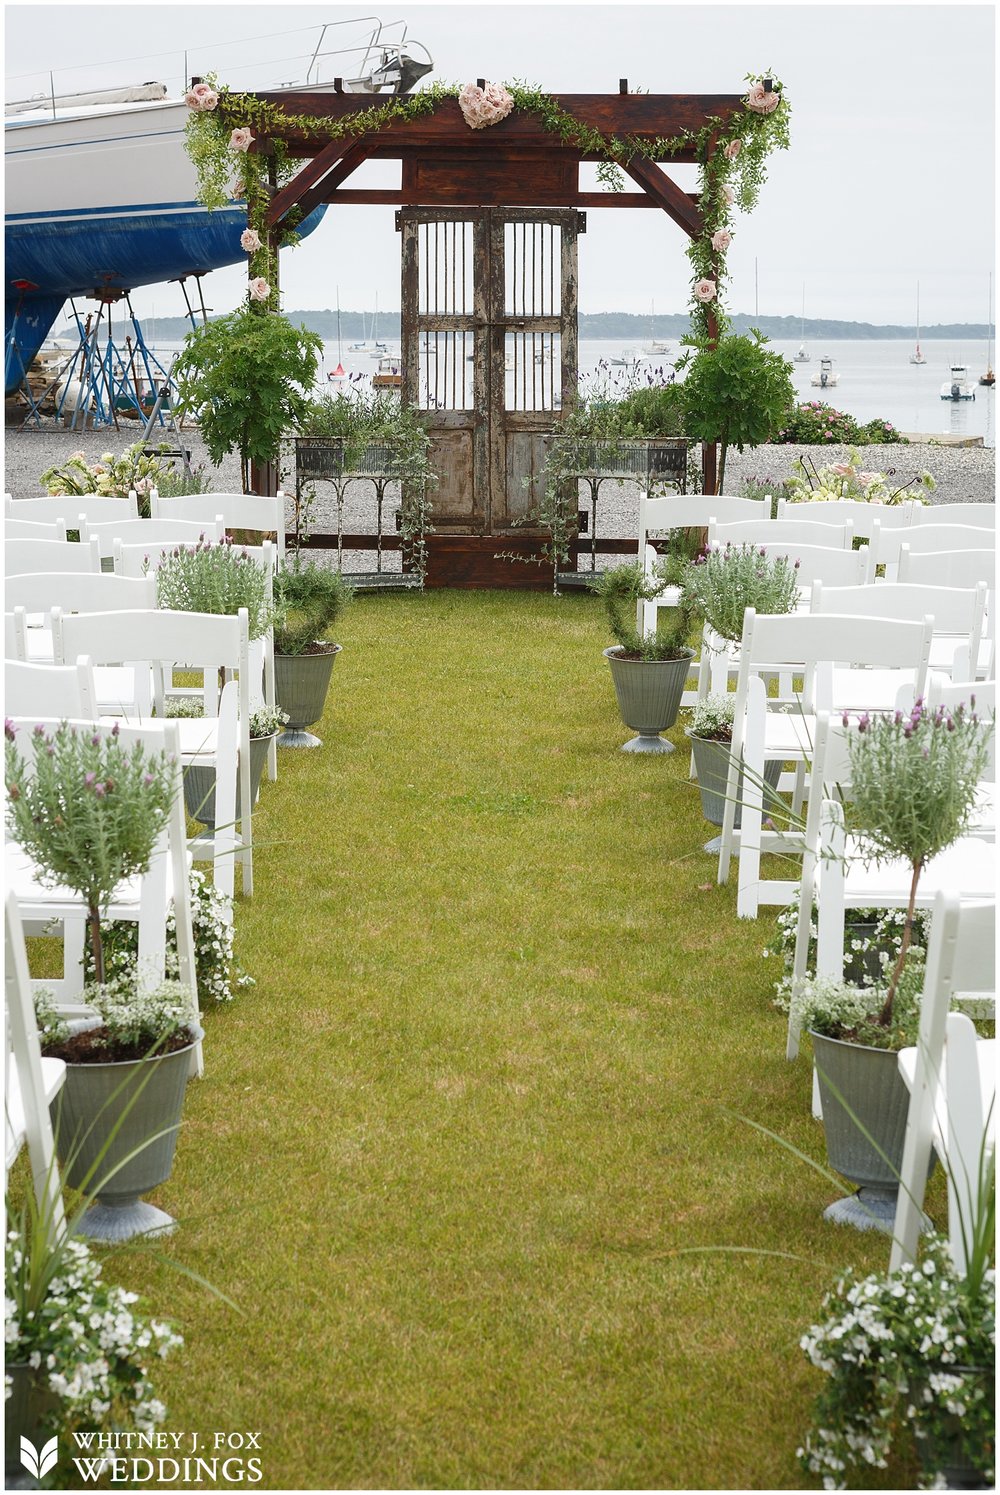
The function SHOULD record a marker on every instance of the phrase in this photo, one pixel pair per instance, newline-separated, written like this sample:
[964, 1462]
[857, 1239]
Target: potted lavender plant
[88, 812]
[913, 789]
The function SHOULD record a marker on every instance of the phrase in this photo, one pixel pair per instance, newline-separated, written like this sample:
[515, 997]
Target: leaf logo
[39, 1464]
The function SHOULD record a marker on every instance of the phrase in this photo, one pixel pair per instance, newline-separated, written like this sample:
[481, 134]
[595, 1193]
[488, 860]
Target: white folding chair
[145, 899]
[791, 532]
[15, 635]
[22, 557]
[48, 690]
[248, 511]
[837, 874]
[198, 641]
[980, 516]
[151, 532]
[952, 1080]
[958, 613]
[926, 539]
[811, 644]
[862, 516]
[72, 507]
[31, 1082]
[84, 592]
[34, 529]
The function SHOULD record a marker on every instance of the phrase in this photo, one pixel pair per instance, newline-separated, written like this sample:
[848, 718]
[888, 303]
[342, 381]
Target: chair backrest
[980, 516]
[926, 538]
[808, 639]
[694, 511]
[98, 592]
[28, 1117]
[34, 529]
[861, 515]
[143, 559]
[50, 690]
[784, 531]
[839, 568]
[153, 531]
[197, 640]
[249, 511]
[24, 556]
[947, 568]
[72, 507]
[961, 950]
[955, 610]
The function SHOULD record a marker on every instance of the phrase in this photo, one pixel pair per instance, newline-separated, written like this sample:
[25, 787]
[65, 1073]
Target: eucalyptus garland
[732, 156]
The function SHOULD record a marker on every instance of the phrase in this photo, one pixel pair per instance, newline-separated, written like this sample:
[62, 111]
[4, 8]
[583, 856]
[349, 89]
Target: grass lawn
[449, 1153]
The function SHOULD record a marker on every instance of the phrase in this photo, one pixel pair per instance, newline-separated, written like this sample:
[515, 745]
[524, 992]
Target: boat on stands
[826, 376]
[958, 386]
[918, 357]
[101, 196]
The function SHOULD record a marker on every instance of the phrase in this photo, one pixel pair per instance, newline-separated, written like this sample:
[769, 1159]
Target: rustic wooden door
[489, 350]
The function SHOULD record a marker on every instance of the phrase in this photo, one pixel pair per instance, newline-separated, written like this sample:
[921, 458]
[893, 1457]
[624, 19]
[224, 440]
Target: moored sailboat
[802, 356]
[918, 357]
[989, 378]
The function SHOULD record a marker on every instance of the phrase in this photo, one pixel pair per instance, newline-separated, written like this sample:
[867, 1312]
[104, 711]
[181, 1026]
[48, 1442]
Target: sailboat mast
[340, 340]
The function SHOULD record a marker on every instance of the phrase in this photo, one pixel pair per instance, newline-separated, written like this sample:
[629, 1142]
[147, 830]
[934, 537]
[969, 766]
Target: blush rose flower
[240, 140]
[760, 101]
[733, 149]
[728, 194]
[201, 97]
[867, 478]
[704, 290]
[842, 469]
[250, 240]
[721, 239]
[484, 106]
[259, 289]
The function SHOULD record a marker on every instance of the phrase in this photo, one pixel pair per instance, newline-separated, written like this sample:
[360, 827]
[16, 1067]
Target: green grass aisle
[445, 1151]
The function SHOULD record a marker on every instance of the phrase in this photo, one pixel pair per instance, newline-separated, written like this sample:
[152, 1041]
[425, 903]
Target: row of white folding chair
[951, 1077]
[22, 557]
[145, 899]
[165, 639]
[85, 592]
[31, 1083]
[979, 515]
[925, 539]
[246, 511]
[811, 644]
[958, 613]
[33, 529]
[72, 507]
[151, 532]
[837, 874]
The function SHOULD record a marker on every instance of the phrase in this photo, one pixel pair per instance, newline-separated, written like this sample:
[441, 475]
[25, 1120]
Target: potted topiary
[648, 671]
[710, 734]
[914, 781]
[737, 393]
[88, 812]
[309, 599]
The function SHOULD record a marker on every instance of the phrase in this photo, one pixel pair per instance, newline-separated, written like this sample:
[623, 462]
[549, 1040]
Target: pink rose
[259, 289]
[760, 101]
[867, 478]
[484, 106]
[704, 290]
[728, 194]
[842, 469]
[201, 97]
[240, 140]
[733, 149]
[721, 239]
[250, 240]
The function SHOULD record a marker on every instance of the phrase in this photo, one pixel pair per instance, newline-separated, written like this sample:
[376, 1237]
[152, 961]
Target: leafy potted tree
[309, 599]
[648, 671]
[736, 393]
[246, 377]
[914, 780]
[88, 813]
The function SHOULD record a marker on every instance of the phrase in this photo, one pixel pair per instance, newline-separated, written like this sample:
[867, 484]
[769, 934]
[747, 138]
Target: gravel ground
[962, 474]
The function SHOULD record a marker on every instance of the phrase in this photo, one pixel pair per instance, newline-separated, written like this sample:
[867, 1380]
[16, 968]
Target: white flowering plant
[872, 937]
[849, 481]
[81, 1338]
[111, 477]
[906, 1353]
[219, 974]
[713, 717]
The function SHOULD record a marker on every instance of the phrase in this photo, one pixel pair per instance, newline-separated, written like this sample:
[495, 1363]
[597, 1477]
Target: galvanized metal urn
[649, 696]
[301, 682]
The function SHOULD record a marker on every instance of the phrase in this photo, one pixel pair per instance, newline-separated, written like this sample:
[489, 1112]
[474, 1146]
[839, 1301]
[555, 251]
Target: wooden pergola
[515, 164]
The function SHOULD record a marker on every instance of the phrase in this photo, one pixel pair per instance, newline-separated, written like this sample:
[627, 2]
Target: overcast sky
[889, 180]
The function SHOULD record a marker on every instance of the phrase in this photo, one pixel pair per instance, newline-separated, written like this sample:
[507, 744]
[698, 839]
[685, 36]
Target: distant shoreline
[596, 326]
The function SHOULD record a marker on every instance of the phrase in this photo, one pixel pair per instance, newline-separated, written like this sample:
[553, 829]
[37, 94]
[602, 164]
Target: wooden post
[265, 476]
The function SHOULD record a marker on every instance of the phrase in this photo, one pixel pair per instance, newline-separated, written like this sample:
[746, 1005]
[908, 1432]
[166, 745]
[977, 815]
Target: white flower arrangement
[880, 944]
[80, 1336]
[840, 481]
[713, 718]
[908, 1350]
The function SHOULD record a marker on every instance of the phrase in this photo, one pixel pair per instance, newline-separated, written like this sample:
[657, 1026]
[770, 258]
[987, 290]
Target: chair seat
[53, 1076]
[970, 865]
[986, 1053]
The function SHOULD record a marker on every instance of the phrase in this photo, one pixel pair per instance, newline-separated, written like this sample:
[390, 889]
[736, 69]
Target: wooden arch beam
[317, 179]
[666, 194]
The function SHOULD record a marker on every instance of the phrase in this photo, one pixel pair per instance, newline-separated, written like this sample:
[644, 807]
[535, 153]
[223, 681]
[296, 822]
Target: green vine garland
[732, 156]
